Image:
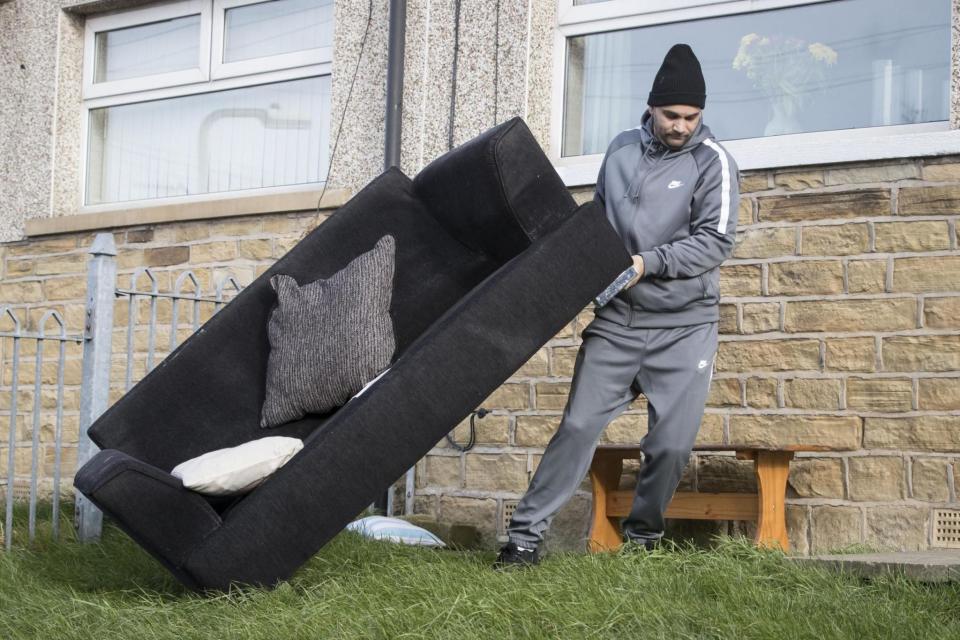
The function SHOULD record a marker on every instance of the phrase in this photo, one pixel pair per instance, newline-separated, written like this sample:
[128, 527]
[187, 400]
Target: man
[671, 192]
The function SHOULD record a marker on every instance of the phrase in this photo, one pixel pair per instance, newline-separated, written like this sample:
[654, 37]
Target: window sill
[187, 211]
[852, 145]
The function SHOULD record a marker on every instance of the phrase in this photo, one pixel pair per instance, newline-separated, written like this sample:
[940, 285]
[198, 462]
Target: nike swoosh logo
[674, 184]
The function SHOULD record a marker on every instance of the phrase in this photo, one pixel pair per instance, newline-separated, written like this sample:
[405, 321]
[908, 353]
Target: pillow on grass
[236, 470]
[330, 337]
[394, 530]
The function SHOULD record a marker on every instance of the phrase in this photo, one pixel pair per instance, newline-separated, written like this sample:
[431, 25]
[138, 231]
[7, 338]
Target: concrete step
[940, 565]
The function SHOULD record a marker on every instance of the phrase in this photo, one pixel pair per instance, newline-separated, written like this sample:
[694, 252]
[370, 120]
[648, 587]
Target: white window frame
[135, 17]
[266, 70]
[821, 147]
[221, 69]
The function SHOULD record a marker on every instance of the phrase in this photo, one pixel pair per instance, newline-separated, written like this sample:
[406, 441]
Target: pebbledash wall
[839, 317]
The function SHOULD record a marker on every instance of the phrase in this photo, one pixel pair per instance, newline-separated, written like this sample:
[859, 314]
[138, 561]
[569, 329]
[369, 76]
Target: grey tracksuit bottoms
[672, 367]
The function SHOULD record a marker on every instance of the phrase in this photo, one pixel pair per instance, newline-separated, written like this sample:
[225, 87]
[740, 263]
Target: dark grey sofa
[493, 257]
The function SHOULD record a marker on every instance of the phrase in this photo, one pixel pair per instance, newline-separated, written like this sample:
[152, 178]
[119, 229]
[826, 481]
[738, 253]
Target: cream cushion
[239, 469]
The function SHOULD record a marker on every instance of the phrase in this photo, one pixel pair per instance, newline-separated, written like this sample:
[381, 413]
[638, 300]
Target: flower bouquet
[787, 70]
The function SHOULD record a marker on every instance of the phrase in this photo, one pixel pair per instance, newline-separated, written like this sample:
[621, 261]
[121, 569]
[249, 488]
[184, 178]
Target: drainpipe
[398, 20]
[391, 158]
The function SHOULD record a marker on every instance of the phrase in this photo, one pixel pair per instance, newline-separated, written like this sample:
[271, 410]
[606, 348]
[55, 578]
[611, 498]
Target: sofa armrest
[497, 193]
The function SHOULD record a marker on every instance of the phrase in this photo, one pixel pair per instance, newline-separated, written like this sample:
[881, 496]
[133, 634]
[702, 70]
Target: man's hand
[638, 265]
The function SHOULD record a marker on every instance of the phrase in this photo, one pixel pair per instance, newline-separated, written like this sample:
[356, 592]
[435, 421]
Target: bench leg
[604, 478]
[772, 469]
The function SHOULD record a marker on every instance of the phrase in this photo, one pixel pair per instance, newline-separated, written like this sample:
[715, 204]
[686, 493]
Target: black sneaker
[631, 545]
[512, 555]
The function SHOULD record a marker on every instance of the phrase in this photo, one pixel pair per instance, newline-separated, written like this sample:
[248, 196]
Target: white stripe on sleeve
[724, 186]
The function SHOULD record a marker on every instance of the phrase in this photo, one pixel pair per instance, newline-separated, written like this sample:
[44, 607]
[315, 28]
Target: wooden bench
[766, 507]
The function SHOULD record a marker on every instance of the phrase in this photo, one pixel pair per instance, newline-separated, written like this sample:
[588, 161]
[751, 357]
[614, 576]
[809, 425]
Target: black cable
[346, 104]
[472, 439]
[453, 82]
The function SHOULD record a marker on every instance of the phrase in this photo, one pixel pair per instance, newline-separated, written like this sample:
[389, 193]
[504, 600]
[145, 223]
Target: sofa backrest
[496, 193]
[209, 392]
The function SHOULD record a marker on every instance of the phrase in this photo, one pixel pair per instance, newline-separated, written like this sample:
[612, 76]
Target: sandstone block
[866, 276]
[768, 355]
[40, 247]
[874, 173]
[745, 212]
[929, 200]
[139, 235]
[728, 318]
[509, 396]
[941, 313]
[851, 354]
[834, 528]
[19, 268]
[60, 265]
[478, 512]
[877, 478]
[490, 429]
[220, 251]
[918, 433]
[20, 292]
[762, 393]
[552, 395]
[797, 528]
[535, 431]
[765, 243]
[851, 315]
[761, 317]
[835, 240]
[750, 182]
[929, 235]
[564, 359]
[807, 277]
[839, 432]
[166, 256]
[496, 472]
[824, 206]
[812, 393]
[897, 528]
[939, 394]
[929, 479]
[721, 474]
[879, 394]
[724, 392]
[740, 280]
[948, 172]
[442, 471]
[627, 428]
[711, 429]
[798, 180]
[815, 478]
[935, 273]
[921, 353]
[256, 249]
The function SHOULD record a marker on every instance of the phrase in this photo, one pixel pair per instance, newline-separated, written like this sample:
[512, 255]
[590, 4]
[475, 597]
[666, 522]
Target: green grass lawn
[360, 589]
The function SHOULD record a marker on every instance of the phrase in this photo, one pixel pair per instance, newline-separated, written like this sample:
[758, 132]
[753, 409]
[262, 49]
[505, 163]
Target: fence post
[95, 385]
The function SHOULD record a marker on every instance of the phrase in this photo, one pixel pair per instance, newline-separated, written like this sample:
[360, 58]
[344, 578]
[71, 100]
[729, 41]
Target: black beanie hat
[679, 80]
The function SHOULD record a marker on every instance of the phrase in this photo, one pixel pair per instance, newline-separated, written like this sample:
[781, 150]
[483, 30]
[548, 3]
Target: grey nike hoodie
[677, 209]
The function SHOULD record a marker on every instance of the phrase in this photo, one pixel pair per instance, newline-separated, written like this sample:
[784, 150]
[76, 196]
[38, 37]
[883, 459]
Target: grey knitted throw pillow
[330, 337]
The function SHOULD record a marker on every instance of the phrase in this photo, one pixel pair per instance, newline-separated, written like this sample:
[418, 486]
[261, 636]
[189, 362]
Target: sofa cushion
[330, 337]
[236, 470]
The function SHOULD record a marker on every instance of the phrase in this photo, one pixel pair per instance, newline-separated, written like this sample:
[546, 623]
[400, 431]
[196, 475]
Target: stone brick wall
[839, 328]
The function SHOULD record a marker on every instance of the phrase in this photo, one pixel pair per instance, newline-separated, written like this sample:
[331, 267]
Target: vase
[784, 119]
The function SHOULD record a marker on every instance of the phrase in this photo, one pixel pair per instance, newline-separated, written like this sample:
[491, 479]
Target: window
[788, 82]
[204, 97]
